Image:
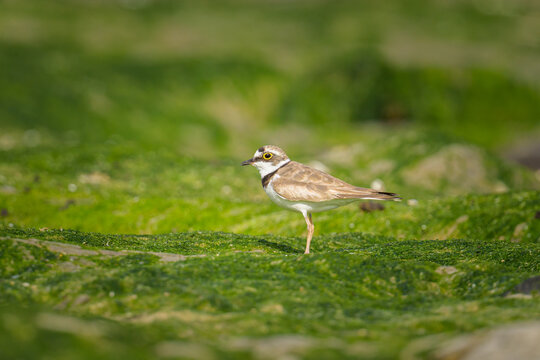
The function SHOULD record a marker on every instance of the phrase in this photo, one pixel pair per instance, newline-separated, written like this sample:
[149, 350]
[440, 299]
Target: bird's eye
[267, 156]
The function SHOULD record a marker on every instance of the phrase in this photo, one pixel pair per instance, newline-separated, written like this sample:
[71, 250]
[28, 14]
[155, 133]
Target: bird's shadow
[279, 246]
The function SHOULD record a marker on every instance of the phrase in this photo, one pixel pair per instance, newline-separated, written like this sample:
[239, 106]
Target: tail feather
[367, 194]
[381, 195]
[389, 195]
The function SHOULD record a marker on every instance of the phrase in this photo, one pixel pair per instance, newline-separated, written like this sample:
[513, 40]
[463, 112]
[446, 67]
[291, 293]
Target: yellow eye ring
[267, 156]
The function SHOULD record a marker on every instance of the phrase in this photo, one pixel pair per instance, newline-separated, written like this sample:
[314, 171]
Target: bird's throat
[265, 180]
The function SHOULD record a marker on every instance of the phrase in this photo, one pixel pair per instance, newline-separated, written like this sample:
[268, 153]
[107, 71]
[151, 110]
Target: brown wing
[298, 182]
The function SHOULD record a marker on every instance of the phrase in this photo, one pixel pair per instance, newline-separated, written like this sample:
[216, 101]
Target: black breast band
[266, 178]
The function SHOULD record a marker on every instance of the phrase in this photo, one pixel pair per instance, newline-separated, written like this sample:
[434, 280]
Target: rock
[412, 202]
[68, 266]
[67, 204]
[452, 229]
[448, 270]
[273, 309]
[516, 341]
[8, 190]
[71, 325]
[377, 184]
[76, 250]
[61, 305]
[275, 347]
[519, 296]
[500, 187]
[383, 166]
[528, 286]
[525, 152]
[94, 178]
[371, 206]
[458, 168]
[184, 350]
[518, 232]
[344, 155]
[81, 299]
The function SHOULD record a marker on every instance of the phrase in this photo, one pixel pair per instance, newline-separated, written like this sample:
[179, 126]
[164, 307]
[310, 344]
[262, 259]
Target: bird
[298, 187]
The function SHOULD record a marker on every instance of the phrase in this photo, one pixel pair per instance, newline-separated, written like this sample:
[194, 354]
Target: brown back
[298, 182]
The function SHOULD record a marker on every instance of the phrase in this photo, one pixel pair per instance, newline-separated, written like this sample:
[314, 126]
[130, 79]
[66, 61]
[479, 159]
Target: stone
[370, 206]
[458, 168]
[515, 341]
[447, 270]
[519, 231]
[527, 286]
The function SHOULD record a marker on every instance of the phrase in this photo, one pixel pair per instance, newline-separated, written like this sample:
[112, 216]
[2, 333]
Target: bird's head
[268, 159]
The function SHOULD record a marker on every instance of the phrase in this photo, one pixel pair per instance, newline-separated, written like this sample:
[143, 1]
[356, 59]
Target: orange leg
[310, 229]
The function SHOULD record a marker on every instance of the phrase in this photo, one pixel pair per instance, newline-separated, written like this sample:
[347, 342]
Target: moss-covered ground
[128, 228]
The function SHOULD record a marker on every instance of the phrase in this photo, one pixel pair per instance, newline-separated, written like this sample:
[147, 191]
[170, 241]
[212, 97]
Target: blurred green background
[158, 101]
[215, 80]
[132, 117]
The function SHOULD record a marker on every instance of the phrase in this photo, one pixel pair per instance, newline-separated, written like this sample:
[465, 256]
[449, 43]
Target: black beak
[247, 162]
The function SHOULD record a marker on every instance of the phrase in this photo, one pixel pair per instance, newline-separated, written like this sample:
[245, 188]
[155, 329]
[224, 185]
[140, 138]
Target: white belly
[304, 206]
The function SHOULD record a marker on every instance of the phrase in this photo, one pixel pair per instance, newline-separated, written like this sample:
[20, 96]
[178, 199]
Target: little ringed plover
[298, 187]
